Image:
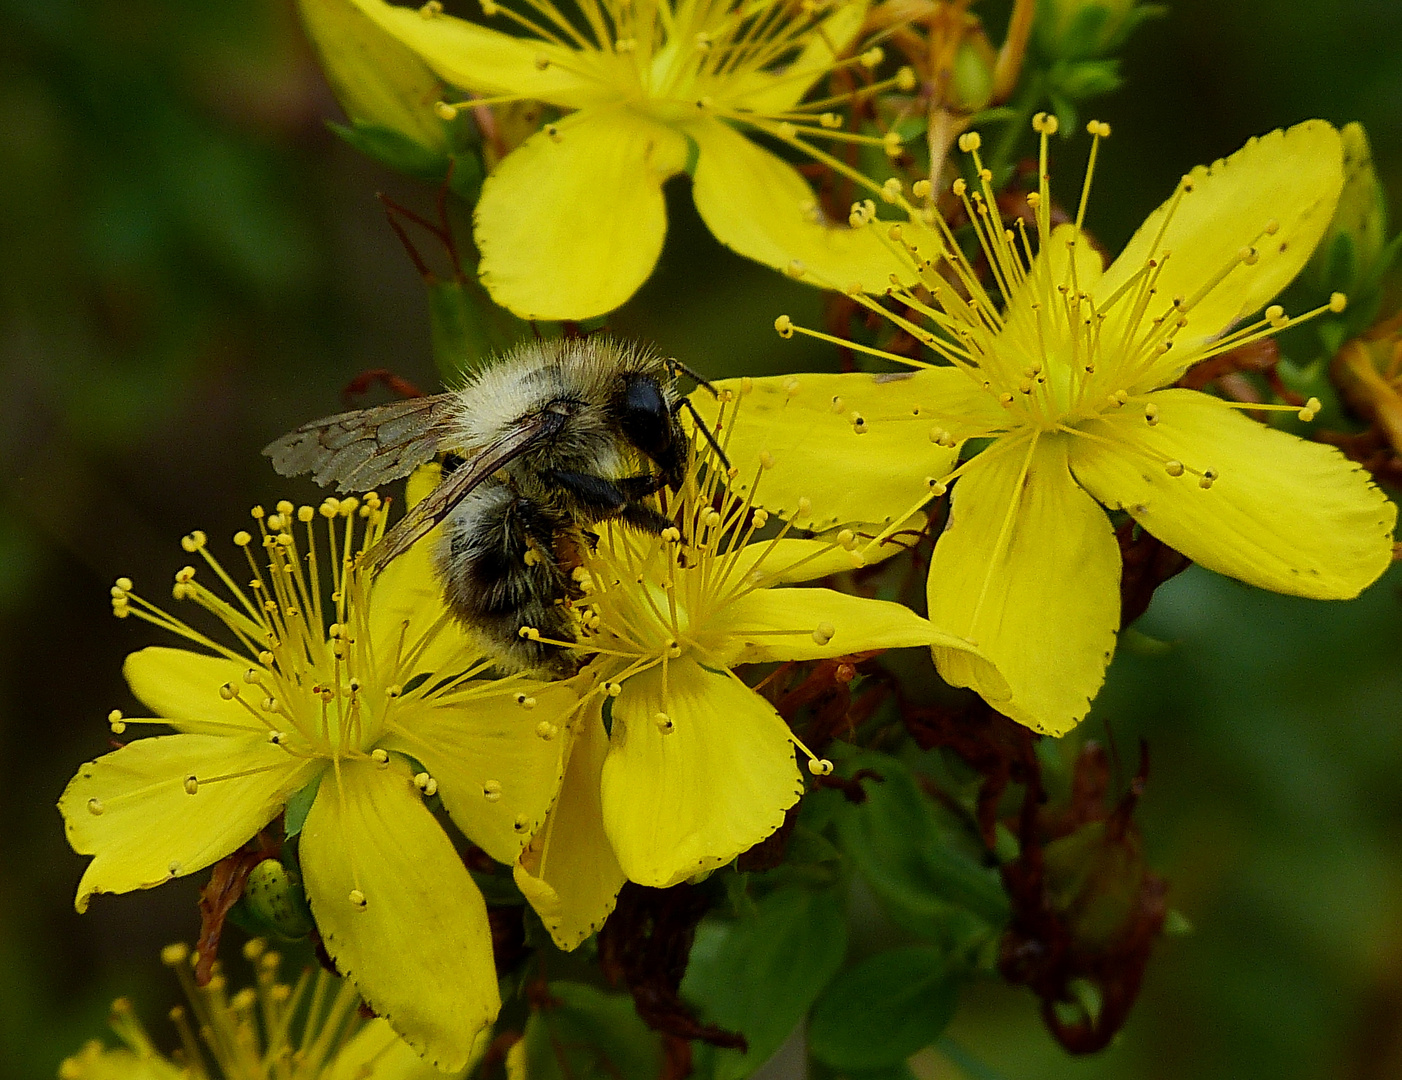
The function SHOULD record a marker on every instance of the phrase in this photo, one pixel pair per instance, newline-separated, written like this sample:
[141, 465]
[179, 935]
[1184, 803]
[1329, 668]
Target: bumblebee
[543, 443]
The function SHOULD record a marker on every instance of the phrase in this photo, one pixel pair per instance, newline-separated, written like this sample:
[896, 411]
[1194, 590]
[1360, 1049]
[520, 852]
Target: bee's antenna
[676, 367]
[701, 427]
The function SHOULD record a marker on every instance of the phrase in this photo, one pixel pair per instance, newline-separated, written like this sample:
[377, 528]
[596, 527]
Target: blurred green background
[190, 264]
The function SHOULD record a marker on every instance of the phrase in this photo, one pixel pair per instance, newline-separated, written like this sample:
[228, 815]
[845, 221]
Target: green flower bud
[1087, 29]
[386, 90]
[275, 897]
[1348, 259]
[971, 77]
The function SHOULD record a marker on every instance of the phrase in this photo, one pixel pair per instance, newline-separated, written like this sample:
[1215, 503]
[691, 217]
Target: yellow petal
[498, 763]
[572, 220]
[1285, 514]
[378, 1053]
[810, 624]
[779, 91]
[569, 872]
[690, 799]
[760, 206]
[182, 687]
[377, 79]
[804, 424]
[398, 911]
[1045, 604]
[408, 618]
[486, 61]
[132, 808]
[1289, 177]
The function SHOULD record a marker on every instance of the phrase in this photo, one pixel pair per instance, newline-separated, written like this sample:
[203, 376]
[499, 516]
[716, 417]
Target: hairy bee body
[552, 438]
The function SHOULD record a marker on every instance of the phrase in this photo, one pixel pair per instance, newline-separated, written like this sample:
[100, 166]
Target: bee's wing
[434, 507]
[365, 448]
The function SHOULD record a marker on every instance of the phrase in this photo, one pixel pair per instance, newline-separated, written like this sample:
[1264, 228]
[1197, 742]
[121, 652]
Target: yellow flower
[571, 223]
[677, 765]
[1067, 369]
[307, 1030]
[372, 702]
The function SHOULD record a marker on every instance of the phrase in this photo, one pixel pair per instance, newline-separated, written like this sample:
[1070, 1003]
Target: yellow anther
[937, 486]
[663, 722]
[702, 40]
[838, 405]
[192, 785]
[357, 899]
[613, 689]
[1209, 476]
[830, 120]
[892, 143]
[671, 534]
[1275, 315]
[1151, 414]
[823, 633]
[791, 387]
[1006, 400]
[847, 539]
[175, 954]
[872, 57]
[1311, 409]
[819, 766]
[380, 756]
[805, 506]
[95, 807]
[546, 730]
[445, 111]
[784, 325]
[277, 738]
[521, 824]
[959, 187]
[905, 79]
[795, 270]
[921, 189]
[1250, 256]
[306, 513]
[525, 701]
[970, 141]
[1099, 128]
[1173, 468]
[194, 541]
[553, 133]
[761, 518]
[859, 424]
[1337, 302]
[1272, 227]
[115, 722]
[1034, 199]
[891, 189]
[711, 518]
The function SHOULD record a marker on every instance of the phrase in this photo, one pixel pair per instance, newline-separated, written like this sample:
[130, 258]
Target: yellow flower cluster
[347, 710]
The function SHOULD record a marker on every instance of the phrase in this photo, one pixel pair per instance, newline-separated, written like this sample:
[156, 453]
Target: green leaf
[394, 150]
[877, 1014]
[466, 326]
[927, 875]
[295, 813]
[584, 1033]
[759, 974]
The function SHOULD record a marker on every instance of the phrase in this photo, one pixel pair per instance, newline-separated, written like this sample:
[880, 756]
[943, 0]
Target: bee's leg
[501, 573]
[619, 498]
[685, 403]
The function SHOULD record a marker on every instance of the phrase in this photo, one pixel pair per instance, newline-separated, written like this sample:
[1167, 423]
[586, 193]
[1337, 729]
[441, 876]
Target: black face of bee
[648, 421]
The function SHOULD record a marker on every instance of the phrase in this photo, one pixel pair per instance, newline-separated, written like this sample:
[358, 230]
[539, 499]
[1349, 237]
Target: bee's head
[646, 416]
